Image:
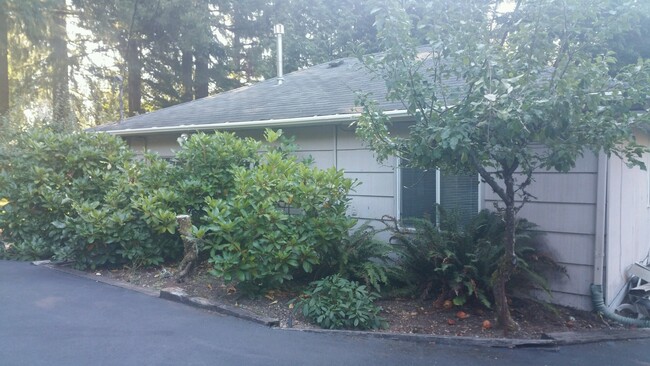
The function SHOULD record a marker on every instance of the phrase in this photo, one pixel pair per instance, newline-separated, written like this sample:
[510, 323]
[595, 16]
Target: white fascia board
[286, 122]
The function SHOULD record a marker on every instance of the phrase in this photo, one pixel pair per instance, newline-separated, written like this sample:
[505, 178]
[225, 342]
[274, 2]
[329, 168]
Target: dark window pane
[418, 193]
[459, 196]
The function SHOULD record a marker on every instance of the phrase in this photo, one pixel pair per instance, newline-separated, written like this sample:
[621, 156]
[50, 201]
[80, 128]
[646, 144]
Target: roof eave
[285, 122]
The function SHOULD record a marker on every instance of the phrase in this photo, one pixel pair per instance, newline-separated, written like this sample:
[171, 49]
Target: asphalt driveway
[53, 318]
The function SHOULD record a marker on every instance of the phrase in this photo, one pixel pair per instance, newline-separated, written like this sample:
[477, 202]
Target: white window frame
[398, 191]
[647, 166]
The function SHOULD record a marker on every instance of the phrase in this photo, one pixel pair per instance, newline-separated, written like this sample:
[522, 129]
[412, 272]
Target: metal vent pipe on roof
[278, 29]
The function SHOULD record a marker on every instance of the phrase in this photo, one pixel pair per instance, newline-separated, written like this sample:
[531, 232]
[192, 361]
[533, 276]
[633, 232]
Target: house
[596, 217]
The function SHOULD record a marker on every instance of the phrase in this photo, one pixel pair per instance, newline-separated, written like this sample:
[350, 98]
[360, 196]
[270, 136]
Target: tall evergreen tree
[4, 60]
[62, 116]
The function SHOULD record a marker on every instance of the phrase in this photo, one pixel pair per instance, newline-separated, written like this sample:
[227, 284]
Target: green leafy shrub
[337, 303]
[458, 263]
[84, 197]
[360, 257]
[282, 216]
[69, 197]
[203, 167]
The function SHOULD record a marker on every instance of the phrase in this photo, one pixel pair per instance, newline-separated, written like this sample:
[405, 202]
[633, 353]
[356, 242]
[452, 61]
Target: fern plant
[360, 257]
[458, 263]
[533, 264]
[441, 263]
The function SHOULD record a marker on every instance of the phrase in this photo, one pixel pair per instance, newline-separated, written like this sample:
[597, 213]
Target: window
[421, 190]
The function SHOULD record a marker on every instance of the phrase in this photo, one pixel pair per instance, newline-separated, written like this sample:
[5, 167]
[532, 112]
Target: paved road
[52, 318]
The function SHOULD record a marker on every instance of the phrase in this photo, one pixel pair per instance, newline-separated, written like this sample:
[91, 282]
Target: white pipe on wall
[601, 219]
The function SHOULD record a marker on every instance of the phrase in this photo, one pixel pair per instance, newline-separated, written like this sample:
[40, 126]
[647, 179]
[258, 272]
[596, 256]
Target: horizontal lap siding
[328, 146]
[374, 197]
[565, 209]
[165, 146]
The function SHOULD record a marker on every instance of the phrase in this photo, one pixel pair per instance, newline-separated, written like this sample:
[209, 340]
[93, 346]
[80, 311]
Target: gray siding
[329, 146]
[565, 209]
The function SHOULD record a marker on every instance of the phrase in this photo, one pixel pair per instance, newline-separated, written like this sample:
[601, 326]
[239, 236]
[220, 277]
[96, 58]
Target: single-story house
[596, 217]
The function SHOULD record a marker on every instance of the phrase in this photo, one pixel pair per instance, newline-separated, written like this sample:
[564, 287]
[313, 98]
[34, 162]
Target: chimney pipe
[278, 29]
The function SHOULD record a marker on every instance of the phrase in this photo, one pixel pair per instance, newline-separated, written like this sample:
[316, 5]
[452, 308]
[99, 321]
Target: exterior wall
[138, 144]
[164, 145]
[628, 222]
[329, 146]
[565, 209]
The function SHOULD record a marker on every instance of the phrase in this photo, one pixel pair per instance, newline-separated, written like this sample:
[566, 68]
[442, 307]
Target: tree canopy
[505, 92]
[73, 60]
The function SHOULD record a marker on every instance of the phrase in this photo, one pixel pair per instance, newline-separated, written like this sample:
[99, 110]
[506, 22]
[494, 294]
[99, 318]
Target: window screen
[458, 194]
[418, 193]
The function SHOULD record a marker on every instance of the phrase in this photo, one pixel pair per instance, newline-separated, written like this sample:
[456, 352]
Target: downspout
[601, 219]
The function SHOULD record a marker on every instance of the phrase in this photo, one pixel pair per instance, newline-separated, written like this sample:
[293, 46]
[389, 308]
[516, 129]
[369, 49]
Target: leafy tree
[632, 43]
[320, 31]
[505, 93]
[4, 62]
[23, 31]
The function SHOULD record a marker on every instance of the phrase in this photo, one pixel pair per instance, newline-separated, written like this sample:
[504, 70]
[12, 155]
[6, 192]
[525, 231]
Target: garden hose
[599, 305]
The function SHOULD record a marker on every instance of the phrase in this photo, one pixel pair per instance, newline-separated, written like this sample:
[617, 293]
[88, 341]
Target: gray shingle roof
[321, 90]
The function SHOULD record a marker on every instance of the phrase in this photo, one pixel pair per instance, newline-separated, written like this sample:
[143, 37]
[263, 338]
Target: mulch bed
[404, 315]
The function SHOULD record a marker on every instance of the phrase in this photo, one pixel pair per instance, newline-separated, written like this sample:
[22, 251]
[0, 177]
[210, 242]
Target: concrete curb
[435, 339]
[179, 295]
[173, 294]
[549, 340]
[569, 338]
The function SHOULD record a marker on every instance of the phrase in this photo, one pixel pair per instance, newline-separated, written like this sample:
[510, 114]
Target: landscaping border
[549, 340]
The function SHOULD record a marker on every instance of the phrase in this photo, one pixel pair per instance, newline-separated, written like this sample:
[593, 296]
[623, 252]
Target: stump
[190, 247]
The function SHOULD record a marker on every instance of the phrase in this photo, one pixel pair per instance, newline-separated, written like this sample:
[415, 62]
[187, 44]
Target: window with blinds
[458, 194]
[418, 193]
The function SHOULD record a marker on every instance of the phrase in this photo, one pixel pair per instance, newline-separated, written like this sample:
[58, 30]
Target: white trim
[398, 188]
[438, 197]
[647, 167]
[601, 219]
[481, 193]
[336, 147]
[284, 122]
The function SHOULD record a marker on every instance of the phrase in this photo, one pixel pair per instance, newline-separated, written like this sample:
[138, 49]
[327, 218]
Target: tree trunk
[186, 75]
[61, 114]
[202, 76]
[508, 262]
[4, 59]
[191, 251]
[134, 83]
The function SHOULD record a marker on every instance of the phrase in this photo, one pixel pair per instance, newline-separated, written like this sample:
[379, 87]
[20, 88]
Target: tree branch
[487, 177]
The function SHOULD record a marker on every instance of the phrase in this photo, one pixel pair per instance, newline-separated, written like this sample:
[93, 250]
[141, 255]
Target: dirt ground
[403, 315]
